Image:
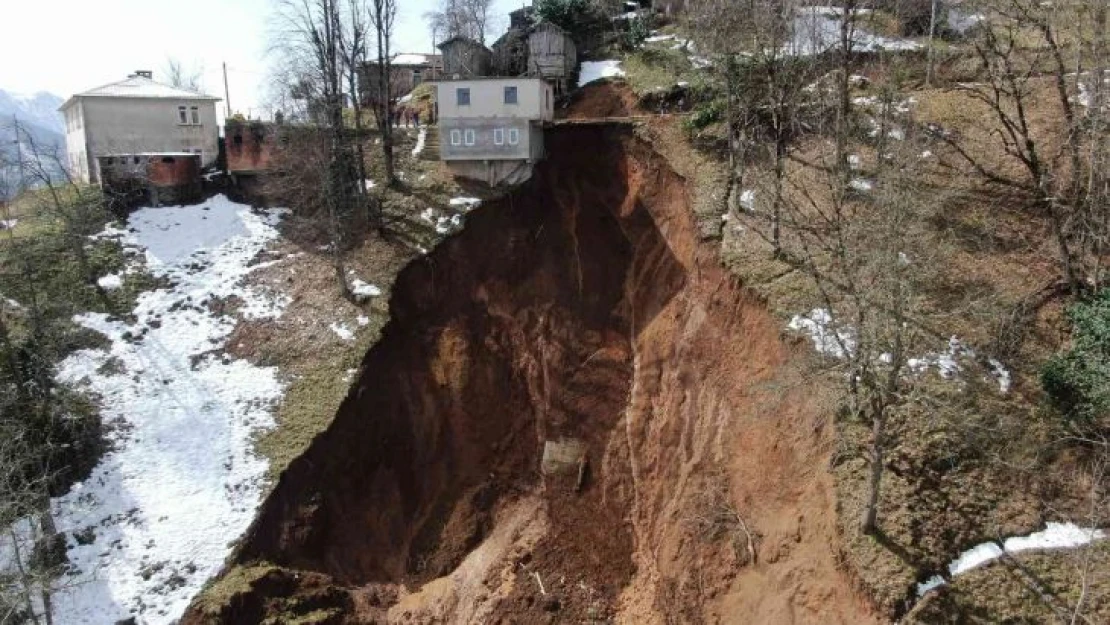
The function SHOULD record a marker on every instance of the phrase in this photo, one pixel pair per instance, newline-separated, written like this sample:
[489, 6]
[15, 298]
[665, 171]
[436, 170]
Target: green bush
[1077, 381]
[639, 29]
[705, 115]
[569, 15]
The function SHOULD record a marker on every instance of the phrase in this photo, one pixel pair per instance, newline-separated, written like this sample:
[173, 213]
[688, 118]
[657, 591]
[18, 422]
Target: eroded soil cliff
[582, 307]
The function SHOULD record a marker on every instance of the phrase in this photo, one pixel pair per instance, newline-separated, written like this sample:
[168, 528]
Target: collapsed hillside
[583, 308]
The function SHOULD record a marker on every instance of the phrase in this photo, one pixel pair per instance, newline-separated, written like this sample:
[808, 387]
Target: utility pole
[227, 94]
[932, 33]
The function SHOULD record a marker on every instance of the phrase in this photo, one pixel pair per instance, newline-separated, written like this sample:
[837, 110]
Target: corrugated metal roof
[143, 87]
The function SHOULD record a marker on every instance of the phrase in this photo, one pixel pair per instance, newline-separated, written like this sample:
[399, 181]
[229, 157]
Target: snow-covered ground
[817, 30]
[157, 516]
[839, 341]
[1053, 536]
[596, 70]
[420, 137]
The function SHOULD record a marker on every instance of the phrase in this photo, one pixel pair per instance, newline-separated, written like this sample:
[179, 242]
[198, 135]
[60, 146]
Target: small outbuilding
[465, 58]
[552, 55]
[249, 145]
[158, 178]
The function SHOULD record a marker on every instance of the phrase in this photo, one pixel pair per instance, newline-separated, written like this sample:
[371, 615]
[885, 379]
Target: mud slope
[583, 306]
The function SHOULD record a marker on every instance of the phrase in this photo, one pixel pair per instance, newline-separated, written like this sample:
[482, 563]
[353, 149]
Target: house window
[194, 112]
[182, 115]
[499, 136]
[510, 95]
[456, 137]
[514, 136]
[136, 160]
[463, 96]
[469, 136]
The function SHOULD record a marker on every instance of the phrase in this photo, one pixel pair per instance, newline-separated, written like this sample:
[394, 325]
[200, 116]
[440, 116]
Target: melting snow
[364, 289]
[182, 481]
[817, 30]
[8, 224]
[468, 203]
[1054, 536]
[342, 331]
[596, 70]
[747, 199]
[817, 324]
[861, 185]
[420, 136]
[110, 282]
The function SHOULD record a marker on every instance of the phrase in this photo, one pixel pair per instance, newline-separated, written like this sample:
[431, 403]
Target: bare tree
[354, 59]
[461, 18]
[1065, 180]
[313, 33]
[181, 77]
[383, 14]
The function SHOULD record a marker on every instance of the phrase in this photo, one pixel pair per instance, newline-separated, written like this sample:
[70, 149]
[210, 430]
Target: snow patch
[747, 199]
[1053, 536]
[420, 136]
[467, 203]
[861, 185]
[364, 289]
[827, 340]
[342, 331]
[182, 481]
[110, 282]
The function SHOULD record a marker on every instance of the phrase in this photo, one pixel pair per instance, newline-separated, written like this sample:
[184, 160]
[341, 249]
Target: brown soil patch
[601, 99]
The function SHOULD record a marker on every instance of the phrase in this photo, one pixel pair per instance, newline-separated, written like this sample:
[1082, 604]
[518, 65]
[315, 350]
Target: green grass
[657, 66]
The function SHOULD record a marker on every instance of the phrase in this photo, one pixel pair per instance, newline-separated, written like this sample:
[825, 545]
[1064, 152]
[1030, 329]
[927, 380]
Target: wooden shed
[510, 53]
[463, 58]
[552, 55]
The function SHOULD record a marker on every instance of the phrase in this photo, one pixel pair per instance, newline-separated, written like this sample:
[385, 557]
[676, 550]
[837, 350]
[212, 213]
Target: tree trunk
[780, 174]
[871, 510]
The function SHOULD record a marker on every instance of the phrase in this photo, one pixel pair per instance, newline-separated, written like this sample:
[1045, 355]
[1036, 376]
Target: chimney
[145, 73]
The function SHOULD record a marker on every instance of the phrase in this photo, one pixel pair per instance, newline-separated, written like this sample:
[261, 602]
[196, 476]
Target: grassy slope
[970, 464]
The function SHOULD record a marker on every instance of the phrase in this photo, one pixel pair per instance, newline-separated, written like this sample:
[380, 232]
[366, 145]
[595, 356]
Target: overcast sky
[67, 46]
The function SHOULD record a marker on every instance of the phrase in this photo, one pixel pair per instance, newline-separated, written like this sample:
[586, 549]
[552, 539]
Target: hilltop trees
[461, 18]
[383, 14]
[182, 77]
[314, 33]
[1061, 167]
[49, 435]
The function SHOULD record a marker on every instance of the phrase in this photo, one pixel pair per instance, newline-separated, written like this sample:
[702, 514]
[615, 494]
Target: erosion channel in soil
[582, 309]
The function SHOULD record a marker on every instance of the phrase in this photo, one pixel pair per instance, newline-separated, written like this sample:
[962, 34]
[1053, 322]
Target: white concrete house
[491, 129]
[138, 116]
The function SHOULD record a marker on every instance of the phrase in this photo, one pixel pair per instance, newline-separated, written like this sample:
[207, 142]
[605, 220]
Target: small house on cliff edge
[491, 129]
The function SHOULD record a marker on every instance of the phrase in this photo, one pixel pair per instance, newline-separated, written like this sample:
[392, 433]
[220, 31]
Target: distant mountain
[39, 118]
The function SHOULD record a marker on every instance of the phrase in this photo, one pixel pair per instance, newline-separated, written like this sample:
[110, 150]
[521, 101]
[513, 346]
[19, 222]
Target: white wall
[77, 157]
[138, 125]
[535, 100]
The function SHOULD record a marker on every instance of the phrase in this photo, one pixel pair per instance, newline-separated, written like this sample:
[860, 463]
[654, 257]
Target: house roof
[410, 58]
[461, 39]
[139, 87]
